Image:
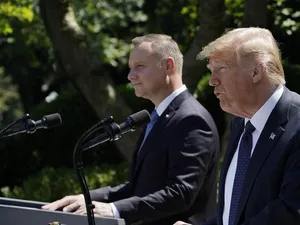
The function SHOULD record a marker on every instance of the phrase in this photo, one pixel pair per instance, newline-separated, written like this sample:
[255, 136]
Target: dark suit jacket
[173, 177]
[271, 194]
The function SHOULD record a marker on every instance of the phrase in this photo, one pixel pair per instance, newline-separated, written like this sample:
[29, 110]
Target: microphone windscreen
[52, 120]
[140, 118]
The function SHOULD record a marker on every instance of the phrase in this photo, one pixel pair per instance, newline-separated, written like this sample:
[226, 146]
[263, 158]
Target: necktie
[154, 117]
[241, 169]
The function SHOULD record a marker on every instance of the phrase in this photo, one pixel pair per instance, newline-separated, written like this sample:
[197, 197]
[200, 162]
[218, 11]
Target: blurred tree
[245, 13]
[209, 12]
[9, 10]
[25, 52]
[23, 155]
[9, 99]
[195, 70]
[27, 41]
[46, 186]
[75, 57]
[88, 49]
[284, 22]
[176, 18]
[255, 13]
[75, 60]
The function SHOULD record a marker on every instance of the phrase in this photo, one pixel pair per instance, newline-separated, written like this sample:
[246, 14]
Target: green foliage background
[39, 166]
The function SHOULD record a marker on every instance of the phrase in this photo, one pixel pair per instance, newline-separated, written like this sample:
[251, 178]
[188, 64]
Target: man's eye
[222, 69]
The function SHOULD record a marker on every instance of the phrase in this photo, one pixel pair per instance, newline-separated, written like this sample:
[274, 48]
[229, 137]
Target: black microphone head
[51, 120]
[140, 118]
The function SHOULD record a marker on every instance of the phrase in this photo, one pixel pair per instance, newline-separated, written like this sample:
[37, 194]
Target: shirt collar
[164, 104]
[259, 119]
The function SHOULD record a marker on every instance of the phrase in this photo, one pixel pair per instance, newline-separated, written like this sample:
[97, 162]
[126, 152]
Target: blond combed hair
[251, 43]
[164, 46]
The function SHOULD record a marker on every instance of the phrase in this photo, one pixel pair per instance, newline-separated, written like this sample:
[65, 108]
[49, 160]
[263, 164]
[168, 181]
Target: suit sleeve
[190, 153]
[211, 221]
[111, 194]
[286, 209]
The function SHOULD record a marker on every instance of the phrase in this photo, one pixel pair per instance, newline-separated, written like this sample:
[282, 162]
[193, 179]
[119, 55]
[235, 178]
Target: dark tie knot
[249, 128]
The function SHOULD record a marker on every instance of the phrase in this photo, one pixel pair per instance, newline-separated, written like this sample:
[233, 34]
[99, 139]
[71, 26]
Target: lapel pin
[167, 116]
[272, 136]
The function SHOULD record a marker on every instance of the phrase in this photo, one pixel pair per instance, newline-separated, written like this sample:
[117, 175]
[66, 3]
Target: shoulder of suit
[236, 121]
[296, 99]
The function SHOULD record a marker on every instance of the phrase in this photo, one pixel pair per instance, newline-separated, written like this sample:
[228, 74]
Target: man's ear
[258, 72]
[169, 66]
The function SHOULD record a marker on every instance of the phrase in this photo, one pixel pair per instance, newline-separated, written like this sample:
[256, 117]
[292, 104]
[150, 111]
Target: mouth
[218, 94]
[136, 84]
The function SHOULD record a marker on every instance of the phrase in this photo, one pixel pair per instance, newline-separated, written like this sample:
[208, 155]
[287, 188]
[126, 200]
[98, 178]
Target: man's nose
[213, 81]
[131, 75]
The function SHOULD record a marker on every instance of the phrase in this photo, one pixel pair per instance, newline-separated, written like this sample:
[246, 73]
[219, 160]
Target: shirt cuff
[115, 210]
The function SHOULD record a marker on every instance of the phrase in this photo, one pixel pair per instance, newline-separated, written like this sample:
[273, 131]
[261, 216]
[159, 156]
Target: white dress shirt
[160, 109]
[258, 120]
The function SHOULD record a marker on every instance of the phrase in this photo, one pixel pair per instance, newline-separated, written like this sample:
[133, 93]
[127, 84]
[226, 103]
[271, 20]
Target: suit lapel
[270, 135]
[156, 131]
[135, 153]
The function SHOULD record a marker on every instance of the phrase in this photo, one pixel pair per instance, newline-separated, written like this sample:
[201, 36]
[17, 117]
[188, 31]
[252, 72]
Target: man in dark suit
[174, 168]
[260, 178]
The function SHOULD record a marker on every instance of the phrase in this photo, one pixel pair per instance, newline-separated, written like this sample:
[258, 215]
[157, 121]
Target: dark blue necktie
[244, 156]
[154, 117]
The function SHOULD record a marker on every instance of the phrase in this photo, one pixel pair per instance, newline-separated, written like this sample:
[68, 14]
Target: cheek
[144, 75]
[235, 87]
[152, 77]
[230, 87]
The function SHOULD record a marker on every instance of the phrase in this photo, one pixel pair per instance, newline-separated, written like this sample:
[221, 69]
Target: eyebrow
[137, 62]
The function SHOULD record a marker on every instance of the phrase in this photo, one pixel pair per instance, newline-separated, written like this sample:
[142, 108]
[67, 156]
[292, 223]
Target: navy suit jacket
[174, 173]
[271, 194]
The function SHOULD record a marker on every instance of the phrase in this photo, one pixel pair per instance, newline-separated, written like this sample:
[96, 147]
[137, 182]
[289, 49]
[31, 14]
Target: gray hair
[164, 46]
[251, 43]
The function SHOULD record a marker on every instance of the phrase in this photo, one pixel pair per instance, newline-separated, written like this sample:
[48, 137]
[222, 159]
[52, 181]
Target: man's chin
[224, 106]
[138, 94]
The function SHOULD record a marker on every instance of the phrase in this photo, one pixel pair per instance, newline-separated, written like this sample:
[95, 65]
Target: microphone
[115, 131]
[30, 126]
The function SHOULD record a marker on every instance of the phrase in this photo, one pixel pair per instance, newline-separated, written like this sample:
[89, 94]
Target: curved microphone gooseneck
[78, 166]
[113, 132]
[21, 119]
[30, 126]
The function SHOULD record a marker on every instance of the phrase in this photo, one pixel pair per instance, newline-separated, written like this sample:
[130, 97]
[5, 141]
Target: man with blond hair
[260, 178]
[174, 168]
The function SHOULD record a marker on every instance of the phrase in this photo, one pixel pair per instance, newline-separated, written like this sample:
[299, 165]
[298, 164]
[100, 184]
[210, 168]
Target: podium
[24, 212]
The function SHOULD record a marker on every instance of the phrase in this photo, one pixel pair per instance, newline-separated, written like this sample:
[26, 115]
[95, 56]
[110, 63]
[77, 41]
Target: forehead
[216, 61]
[141, 51]
[222, 59]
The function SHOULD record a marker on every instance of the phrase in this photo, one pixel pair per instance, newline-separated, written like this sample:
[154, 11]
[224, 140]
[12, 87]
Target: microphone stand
[78, 166]
[25, 119]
